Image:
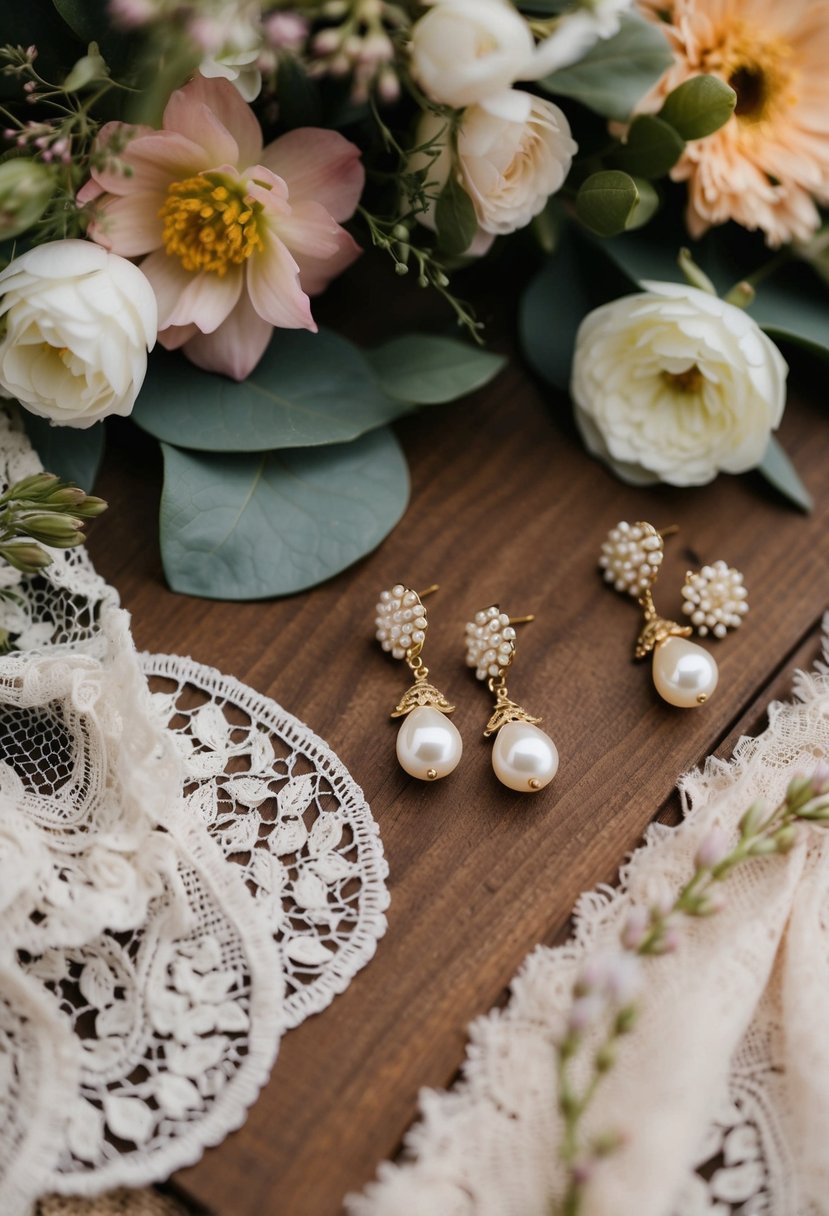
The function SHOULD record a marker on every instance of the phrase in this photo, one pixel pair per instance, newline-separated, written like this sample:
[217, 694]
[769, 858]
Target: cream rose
[77, 323]
[465, 51]
[675, 385]
[509, 168]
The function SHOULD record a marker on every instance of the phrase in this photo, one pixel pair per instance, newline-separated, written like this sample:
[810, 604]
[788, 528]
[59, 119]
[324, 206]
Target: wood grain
[506, 507]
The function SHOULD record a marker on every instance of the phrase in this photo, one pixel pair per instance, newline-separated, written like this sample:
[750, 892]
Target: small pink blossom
[234, 237]
[286, 31]
[635, 928]
[820, 778]
[713, 848]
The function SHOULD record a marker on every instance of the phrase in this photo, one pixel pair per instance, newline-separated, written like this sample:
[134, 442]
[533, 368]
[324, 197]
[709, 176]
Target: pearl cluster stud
[401, 620]
[715, 598]
[684, 674]
[490, 643]
[428, 746]
[631, 556]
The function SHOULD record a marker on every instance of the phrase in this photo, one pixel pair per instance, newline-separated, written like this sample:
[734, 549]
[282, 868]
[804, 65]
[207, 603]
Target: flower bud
[712, 850]
[32, 488]
[820, 779]
[25, 189]
[786, 838]
[799, 791]
[60, 531]
[25, 557]
[89, 68]
[635, 928]
[753, 817]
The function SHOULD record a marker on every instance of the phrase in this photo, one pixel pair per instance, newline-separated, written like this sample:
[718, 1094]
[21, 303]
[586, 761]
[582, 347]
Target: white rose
[509, 168]
[675, 385]
[466, 51]
[78, 323]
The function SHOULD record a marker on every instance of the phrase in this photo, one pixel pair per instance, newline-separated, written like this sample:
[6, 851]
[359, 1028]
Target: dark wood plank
[505, 507]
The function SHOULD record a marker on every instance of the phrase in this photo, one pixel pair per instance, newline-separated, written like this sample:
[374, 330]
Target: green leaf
[652, 148]
[606, 201]
[699, 106]
[70, 453]
[647, 204]
[455, 218]
[251, 527]
[573, 282]
[428, 370]
[791, 307]
[85, 18]
[308, 390]
[779, 471]
[617, 72]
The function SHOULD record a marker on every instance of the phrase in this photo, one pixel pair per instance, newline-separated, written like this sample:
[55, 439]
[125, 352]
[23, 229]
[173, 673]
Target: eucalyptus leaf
[779, 471]
[646, 206]
[617, 72]
[575, 280]
[455, 218]
[606, 200]
[297, 95]
[427, 370]
[242, 527]
[307, 391]
[68, 452]
[651, 149]
[699, 106]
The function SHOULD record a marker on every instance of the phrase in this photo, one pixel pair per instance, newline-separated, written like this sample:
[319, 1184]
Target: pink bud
[29, 86]
[286, 31]
[820, 778]
[635, 929]
[326, 42]
[582, 1171]
[713, 848]
[671, 939]
[388, 86]
[584, 1011]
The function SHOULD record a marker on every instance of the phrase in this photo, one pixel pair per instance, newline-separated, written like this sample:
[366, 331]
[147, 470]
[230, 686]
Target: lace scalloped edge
[371, 926]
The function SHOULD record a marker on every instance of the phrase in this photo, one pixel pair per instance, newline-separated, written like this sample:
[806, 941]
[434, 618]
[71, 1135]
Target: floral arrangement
[181, 180]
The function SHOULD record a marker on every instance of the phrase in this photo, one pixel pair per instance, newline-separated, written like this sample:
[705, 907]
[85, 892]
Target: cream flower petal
[236, 346]
[318, 165]
[274, 288]
[212, 114]
[154, 161]
[168, 279]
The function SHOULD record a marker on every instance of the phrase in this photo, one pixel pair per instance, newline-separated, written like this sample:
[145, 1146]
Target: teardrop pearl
[685, 675]
[524, 758]
[428, 744]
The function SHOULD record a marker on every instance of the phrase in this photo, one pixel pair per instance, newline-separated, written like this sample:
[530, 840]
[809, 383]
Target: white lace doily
[722, 1089]
[184, 874]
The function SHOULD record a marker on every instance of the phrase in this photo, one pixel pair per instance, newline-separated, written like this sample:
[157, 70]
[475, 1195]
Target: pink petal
[175, 336]
[168, 279]
[308, 228]
[213, 115]
[316, 273]
[275, 290]
[129, 226]
[318, 165]
[236, 346]
[186, 297]
[155, 161]
[88, 192]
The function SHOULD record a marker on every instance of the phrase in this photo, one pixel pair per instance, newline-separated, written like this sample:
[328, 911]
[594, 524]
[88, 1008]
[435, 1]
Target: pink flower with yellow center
[236, 236]
[769, 165]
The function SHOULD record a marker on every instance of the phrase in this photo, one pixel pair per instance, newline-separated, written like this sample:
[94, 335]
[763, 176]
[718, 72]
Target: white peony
[508, 167]
[675, 385]
[468, 51]
[77, 324]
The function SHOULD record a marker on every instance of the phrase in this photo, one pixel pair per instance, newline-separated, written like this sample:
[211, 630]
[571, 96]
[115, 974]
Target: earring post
[522, 620]
[670, 530]
[429, 590]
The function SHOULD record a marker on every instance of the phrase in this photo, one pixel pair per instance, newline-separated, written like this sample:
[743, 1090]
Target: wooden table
[506, 507]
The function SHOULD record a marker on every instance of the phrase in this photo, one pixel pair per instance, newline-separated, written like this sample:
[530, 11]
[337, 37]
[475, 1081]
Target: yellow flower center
[758, 68]
[209, 223]
[689, 381]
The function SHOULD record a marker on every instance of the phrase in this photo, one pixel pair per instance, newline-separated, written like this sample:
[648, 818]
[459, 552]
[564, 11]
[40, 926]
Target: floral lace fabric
[185, 872]
[721, 1091]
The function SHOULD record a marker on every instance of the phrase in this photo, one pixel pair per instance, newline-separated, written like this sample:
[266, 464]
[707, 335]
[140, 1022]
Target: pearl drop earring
[685, 675]
[524, 758]
[429, 746]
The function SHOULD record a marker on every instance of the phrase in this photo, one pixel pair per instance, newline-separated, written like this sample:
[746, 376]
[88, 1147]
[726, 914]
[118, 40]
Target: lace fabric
[721, 1091]
[184, 874]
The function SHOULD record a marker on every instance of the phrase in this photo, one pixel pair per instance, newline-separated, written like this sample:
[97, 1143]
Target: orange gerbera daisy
[769, 165]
